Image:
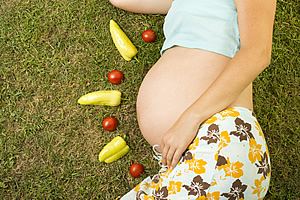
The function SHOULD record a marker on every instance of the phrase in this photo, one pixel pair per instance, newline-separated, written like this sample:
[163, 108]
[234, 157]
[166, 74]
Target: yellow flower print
[194, 144]
[260, 133]
[178, 173]
[142, 186]
[216, 156]
[258, 188]
[259, 129]
[213, 183]
[230, 112]
[167, 173]
[197, 166]
[255, 151]
[211, 120]
[201, 198]
[216, 180]
[155, 185]
[147, 185]
[137, 188]
[267, 152]
[224, 139]
[174, 187]
[233, 169]
[148, 197]
[213, 196]
[156, 182]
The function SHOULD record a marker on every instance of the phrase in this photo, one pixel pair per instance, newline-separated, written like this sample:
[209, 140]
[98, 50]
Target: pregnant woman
[195, 104]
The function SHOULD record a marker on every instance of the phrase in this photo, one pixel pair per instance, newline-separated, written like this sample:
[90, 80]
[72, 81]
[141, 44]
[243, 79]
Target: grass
[52, 52]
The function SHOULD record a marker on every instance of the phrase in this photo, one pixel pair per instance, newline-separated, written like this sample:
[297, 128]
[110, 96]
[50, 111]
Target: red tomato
[115, 76]
[136, 170]
[149, 35]
[109, 123]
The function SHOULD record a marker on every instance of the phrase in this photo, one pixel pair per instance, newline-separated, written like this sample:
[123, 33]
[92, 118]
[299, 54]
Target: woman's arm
[256, 18]
[144, 6]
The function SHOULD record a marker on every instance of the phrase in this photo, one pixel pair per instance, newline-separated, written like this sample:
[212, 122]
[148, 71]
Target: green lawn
[54, 51]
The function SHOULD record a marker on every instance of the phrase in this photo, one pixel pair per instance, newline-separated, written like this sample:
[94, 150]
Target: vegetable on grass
[109, 123]
[136, 170]
[113, 150]
[115, 76]
[149, 35]
[108, 98]
[122, 42]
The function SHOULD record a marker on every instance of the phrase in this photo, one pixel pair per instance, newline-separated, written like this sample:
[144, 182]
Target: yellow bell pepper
[108, 98]
[122, 42]
[113, 150]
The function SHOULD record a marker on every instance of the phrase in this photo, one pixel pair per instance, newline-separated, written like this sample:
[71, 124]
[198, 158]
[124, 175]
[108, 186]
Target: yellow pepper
[113, 150]
[108, 98]
[122, 42]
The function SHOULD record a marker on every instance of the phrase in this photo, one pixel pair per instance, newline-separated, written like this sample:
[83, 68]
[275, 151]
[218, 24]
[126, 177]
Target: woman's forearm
[237, 75]
[143, 6]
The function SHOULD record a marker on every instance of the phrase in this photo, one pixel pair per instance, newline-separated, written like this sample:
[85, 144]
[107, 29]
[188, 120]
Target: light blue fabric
[211, 25]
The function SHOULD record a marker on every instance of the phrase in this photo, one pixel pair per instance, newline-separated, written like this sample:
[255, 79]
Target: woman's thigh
[228, 159]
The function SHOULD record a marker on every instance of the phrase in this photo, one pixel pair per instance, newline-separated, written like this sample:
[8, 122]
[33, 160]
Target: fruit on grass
[115, 76]
[122, 42]
[136, 170]
[109, 123]
[108, 98]
[149, 35]
[114, 150]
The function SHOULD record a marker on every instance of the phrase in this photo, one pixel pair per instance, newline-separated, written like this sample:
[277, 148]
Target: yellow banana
[122, 42]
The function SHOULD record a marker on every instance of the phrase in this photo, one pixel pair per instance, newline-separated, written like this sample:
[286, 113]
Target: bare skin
[173, 84]
[187, 86]
[144, 6]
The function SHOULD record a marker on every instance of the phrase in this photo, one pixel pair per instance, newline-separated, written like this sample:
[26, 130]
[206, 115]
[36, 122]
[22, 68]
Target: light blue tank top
[210, 25]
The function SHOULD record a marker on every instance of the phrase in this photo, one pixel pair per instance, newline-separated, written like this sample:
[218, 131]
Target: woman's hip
[229, 153]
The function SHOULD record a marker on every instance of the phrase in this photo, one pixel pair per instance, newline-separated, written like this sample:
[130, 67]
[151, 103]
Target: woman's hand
[176, 140]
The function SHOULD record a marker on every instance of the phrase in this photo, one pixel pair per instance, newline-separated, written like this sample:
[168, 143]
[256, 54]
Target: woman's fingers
[164, 154]
[176, 158]
[170, 156]
[171, 153]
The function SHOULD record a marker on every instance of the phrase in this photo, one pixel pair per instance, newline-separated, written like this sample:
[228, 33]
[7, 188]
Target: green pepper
[122, 42]
[113, 150]
[108, 98]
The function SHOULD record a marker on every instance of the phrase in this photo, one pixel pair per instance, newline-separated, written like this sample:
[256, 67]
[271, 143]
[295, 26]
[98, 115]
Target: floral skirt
[228, 159]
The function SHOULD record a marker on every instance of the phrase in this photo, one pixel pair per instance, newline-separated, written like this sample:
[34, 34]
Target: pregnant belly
[179, 77]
